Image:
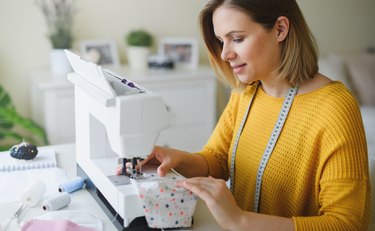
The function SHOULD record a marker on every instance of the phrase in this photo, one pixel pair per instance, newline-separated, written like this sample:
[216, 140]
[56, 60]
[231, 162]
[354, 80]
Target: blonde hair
[299, 51]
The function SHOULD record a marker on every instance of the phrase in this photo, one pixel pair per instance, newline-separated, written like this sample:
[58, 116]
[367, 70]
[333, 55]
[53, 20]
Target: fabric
[55, 225]
[80, 218]
[318, 172]
[165, 205]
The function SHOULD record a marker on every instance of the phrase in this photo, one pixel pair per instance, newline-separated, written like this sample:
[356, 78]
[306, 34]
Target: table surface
[83, 201]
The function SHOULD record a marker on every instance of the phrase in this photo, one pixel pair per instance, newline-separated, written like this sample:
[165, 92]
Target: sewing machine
[114, 118]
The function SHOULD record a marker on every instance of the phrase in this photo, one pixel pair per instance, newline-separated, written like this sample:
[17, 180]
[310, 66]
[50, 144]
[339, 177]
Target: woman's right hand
[166, 158]
[185, 163]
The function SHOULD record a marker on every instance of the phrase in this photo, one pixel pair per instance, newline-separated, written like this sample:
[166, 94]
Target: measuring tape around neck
[270, 146]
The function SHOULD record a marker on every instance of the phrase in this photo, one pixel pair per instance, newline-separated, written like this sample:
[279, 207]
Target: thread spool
[57, 202]
[33, 193]
[72, 185]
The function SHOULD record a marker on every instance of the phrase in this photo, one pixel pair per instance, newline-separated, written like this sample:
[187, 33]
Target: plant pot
[59, 63]
[137, 57]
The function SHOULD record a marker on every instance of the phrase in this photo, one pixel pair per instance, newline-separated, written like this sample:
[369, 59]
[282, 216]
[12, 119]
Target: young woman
[290, 139]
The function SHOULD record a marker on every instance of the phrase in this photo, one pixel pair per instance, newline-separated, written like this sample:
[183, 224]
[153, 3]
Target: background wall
[344, 26]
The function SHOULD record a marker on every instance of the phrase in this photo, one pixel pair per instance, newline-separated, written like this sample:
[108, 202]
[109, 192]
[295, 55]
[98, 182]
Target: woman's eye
[237, 40]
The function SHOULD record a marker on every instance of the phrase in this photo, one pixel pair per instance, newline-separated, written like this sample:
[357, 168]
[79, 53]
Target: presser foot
[129, 168]
[132, 173]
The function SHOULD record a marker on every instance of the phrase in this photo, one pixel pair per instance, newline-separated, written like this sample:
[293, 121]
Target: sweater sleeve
[345, 206]
[342, 174]
[217, 148]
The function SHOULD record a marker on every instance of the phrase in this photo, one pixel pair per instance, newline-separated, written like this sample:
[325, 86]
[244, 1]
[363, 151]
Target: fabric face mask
[64, 220]
[165, 205]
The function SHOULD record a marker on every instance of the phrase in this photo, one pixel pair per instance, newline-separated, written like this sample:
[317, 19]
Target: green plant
[139, 38]
[10, 119]
[59, 18]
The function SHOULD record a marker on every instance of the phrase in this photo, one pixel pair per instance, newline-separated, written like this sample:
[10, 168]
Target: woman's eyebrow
[233, 32]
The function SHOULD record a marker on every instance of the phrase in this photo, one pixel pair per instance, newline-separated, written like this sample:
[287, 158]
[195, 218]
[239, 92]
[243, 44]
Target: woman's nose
[227, 53]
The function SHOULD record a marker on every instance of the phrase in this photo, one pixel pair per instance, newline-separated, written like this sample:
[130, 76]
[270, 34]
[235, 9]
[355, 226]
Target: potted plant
[139, 43]
[11, 122]
[59, 18]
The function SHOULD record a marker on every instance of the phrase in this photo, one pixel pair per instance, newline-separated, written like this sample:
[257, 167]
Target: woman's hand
[187, 164]
[218, 198]
[223, 207]
[166, 158]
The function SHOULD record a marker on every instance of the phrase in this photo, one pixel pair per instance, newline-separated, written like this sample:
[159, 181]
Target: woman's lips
[238, 68]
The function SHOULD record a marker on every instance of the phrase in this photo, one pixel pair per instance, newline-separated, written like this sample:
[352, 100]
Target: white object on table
[29, 198]
[83, 201]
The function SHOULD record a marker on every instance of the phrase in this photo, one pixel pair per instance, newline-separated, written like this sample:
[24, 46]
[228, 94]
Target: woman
[290, 139]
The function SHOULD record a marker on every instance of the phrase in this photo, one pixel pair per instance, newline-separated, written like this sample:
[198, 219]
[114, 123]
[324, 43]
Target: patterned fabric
[165, 205]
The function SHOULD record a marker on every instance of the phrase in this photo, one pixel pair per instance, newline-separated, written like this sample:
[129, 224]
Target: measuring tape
[271, 142]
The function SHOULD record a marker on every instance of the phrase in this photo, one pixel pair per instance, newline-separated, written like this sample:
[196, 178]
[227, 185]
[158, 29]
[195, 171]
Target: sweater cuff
[214, 163]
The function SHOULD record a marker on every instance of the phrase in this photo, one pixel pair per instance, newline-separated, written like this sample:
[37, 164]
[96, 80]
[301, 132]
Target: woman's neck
[275, 88]
[280, 88]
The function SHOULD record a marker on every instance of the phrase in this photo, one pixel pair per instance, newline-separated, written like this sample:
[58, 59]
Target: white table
[83, 201]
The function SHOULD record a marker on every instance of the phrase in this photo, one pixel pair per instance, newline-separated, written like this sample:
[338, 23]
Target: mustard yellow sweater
[318, 171]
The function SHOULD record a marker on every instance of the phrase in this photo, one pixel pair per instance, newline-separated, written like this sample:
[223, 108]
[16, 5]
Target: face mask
[60, 220]
[165, 205]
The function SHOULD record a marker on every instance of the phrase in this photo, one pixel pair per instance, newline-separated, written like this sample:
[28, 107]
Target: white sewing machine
[114, 118]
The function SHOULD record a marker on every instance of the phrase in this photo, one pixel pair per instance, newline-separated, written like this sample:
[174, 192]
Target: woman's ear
[282, 28]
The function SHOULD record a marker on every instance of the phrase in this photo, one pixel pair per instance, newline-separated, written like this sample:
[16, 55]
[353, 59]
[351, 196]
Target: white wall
[339, 26]
[24, 45]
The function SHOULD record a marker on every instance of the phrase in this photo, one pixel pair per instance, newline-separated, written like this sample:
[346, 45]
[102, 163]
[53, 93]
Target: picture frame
[100, 51]
[183, 51]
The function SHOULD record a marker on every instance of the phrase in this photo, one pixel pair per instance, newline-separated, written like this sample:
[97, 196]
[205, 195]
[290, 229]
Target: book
[15, 174]
[46, 158]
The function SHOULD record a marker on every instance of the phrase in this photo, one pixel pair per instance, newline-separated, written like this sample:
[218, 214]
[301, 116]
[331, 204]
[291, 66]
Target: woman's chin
[245, 79]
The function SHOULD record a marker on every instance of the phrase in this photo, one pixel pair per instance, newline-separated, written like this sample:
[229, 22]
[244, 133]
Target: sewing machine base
[138, 224]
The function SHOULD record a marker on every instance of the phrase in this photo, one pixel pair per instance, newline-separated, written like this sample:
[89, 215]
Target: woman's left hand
[218, 198]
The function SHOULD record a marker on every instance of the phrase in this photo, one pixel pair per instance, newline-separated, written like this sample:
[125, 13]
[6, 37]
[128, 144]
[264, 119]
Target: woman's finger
[118, 170]
[209, 182]
[201, 187]
[164, 167]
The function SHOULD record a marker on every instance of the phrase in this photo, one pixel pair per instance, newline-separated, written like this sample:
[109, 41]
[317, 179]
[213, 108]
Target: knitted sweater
[318, 171]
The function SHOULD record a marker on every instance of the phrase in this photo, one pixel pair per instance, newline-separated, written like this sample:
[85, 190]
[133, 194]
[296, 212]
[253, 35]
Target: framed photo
[102, 52]
[183, 51]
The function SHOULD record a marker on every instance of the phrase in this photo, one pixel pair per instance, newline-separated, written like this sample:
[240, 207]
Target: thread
[57, 202]
[72, 185]
[33, 193]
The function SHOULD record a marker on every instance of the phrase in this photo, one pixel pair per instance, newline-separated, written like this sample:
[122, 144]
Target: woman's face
[252, 51]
